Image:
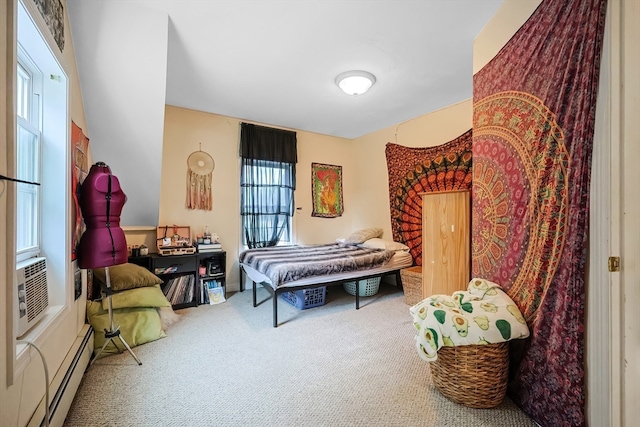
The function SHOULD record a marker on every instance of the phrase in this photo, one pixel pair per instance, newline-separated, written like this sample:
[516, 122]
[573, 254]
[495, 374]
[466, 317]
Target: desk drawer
[174, 264]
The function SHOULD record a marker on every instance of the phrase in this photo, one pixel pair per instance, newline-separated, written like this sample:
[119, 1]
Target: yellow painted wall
[316, 148]
[364, 173]
[187, 131]
[7, 399]
[371, 177]
[499, 30]
[365, 179]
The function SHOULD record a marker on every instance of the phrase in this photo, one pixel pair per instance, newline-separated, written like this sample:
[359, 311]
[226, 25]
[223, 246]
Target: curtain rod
[6, 178]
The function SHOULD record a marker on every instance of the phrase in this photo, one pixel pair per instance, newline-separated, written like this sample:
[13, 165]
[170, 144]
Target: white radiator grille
[33, 293]
[37, 294]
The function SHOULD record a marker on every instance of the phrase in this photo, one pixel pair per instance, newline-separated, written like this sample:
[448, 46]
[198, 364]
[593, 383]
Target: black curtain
[267, 183]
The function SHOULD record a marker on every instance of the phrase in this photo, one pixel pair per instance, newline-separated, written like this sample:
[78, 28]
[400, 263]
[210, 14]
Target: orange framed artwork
[79, 171]
[326, 187]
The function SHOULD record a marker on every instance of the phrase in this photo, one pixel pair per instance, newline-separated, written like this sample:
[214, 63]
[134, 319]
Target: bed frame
[322, 281]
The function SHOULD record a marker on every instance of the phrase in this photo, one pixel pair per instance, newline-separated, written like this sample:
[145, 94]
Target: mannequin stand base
[109, 337]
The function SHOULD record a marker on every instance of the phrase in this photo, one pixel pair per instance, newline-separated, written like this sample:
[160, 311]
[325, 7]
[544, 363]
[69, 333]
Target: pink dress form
[103, 243]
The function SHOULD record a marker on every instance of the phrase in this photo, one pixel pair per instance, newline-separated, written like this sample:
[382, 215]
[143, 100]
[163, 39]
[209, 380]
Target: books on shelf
[210, 247]
[202, 289]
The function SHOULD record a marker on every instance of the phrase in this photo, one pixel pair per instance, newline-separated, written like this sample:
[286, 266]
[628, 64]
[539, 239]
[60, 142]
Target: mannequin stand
[113, 332]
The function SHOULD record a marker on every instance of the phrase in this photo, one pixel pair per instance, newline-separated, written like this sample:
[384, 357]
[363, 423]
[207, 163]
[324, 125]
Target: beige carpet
[225, 365]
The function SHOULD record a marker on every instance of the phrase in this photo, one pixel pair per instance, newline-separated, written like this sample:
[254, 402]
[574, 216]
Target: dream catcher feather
[413, 171]
[200, 167]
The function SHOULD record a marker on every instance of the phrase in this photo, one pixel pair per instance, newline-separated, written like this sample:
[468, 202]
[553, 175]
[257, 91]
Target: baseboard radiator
[65, 384]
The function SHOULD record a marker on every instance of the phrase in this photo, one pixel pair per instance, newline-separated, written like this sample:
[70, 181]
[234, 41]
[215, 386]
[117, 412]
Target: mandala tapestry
[413, 171]
[533, 122]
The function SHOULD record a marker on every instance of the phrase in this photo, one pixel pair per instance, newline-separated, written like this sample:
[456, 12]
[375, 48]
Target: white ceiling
[275, 62]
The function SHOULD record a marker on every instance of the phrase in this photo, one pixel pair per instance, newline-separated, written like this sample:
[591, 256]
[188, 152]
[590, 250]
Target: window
[43, 153]
[267, 201]
[267, 185]
[29, 87]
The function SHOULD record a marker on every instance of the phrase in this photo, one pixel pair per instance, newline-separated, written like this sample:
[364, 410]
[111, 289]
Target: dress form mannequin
[101, 200]
[103, 244]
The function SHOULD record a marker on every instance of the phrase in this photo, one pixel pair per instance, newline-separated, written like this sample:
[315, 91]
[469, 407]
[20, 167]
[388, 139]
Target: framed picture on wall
[326, 188]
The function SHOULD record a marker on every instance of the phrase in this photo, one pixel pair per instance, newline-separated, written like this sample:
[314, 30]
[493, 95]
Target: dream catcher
[200, 167]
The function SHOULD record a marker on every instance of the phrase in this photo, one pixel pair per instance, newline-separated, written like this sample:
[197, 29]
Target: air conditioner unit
[33, 293]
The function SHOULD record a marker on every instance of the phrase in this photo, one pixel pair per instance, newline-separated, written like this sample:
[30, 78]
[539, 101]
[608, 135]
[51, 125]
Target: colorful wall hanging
[200, 167]
[421, 170]
[53, 14]
[533, 126]
[326, 187]
[79, 171]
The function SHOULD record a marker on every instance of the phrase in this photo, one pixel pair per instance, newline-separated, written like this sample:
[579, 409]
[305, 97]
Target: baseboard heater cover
[63, 397]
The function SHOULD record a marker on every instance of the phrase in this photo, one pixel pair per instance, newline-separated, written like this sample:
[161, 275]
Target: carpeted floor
[225, 365]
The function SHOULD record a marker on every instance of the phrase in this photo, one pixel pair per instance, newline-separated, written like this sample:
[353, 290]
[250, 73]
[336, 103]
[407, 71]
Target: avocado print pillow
[483, 314]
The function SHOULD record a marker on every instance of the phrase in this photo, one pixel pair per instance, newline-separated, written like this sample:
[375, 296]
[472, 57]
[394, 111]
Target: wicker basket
[412, 284]
[472, 375]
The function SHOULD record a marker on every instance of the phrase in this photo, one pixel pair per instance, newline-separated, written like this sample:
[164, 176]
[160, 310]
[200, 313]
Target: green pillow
[127, 276]
[137, 326]
[149, 296]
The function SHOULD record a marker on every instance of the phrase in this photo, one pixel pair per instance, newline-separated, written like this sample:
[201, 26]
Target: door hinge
[614, 263]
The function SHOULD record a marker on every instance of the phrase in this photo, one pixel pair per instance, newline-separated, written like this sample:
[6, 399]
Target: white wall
[626, 108]
[124, 85]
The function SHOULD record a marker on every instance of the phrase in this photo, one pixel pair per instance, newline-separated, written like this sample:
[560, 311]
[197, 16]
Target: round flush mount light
[355, 82]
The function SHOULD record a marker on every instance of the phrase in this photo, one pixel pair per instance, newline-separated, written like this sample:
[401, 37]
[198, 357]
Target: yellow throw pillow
[137, 325]
[127, 276]
[149, 296]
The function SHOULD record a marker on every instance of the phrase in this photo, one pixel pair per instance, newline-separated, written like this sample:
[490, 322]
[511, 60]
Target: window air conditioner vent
[33, 293]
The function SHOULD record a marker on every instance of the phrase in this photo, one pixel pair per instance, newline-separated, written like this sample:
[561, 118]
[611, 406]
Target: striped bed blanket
[283, 264]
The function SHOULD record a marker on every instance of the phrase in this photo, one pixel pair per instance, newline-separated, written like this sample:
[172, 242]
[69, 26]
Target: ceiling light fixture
[355, 82]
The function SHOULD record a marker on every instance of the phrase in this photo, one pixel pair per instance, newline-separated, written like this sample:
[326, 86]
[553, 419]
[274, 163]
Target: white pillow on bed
[377, 243]
[363, 235]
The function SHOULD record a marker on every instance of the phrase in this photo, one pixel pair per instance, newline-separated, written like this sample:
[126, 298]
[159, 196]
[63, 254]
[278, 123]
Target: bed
[290, 268]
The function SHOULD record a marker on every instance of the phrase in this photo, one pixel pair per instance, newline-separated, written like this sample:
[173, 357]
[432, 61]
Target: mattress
[396, 260]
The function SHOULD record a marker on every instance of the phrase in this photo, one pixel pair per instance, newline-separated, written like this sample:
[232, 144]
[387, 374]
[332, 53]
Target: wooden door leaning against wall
[446, 237]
